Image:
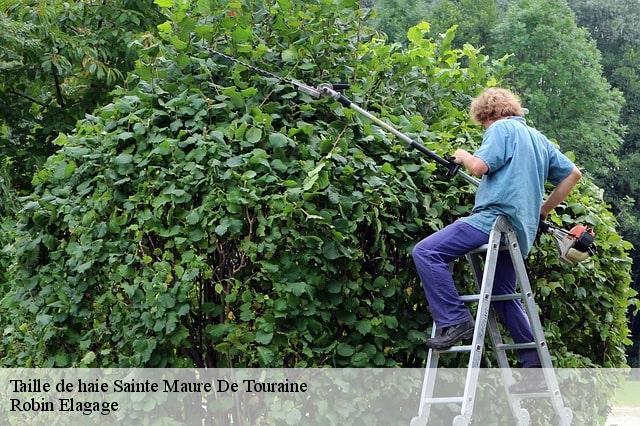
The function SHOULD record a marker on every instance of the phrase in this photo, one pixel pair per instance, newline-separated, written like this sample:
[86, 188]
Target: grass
[628, 395]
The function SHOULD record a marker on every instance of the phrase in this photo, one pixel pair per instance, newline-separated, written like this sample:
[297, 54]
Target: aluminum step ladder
[502, 237]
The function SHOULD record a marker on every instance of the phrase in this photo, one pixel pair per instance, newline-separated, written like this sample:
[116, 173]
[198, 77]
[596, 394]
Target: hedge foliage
[211, 216]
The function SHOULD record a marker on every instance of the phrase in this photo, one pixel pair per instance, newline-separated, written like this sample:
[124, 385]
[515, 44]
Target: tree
[474, 19]
[558, 74]
[59, 60]
[395, 17]
[614, 27]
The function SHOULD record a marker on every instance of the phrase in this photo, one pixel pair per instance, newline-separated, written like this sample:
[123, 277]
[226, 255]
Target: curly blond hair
[493, 104]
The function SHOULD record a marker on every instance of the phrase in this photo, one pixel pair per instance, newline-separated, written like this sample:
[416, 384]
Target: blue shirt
[520, 160]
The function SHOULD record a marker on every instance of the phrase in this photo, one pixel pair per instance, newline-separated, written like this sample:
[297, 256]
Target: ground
[626, 408]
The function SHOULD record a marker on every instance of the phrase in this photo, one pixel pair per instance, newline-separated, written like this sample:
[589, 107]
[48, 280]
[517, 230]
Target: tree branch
[58, 89]
[22, 95]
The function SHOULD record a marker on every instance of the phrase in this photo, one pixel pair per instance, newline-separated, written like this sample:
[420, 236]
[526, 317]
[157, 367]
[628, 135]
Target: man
[514, 161]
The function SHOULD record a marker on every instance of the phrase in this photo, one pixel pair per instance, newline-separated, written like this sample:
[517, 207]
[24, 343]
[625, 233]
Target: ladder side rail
[522, 279]
[482, 316]
[520, 414]
[429, 381]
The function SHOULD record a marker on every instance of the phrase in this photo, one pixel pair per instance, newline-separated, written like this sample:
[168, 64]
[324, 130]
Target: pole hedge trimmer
[574, 246]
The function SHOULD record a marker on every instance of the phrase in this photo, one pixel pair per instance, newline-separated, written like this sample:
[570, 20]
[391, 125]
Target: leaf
[289, 55]
[196, 235]
[204, 7]
[309, 181]
[414, 35]
[61, 140]
[164, 3]
[203, 30]
[277, 140]
[123, 159]
[297, 288]
[307, 66]
[183, 310]
[125, 135]
[193, 217]
[329, 250]
[83, 267]
[279, 165]
[139, 129]
[379, 282]
[360, 359]
[218, 330]
[388, 169]
[424, 26]
[266, 355]
[88, 358]
[253, 135]
[64, 170]
[312, 177]
[284, 4]
[363, 326]
[241, 34]
[165, 28]
[234, 161]
[345, 349]
[263, 338]
[325, 146]
[178, 43]
[62, 360]
[411, 168]
[388, 291]
[217, 136]
[390, 321]
[221, 229]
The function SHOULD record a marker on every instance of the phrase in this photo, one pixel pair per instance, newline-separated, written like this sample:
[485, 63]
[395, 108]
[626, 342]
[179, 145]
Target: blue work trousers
[432, 257]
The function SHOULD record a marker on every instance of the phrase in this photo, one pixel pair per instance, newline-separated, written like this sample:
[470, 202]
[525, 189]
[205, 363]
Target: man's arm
[560, 192]
[474, 165]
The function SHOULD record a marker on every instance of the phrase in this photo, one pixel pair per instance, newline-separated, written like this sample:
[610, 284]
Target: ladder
[502, 237]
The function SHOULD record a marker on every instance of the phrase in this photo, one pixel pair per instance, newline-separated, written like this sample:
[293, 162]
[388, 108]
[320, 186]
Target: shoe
[452, 334]
[532, 384]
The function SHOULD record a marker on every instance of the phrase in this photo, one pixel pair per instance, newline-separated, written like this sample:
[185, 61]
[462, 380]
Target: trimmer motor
[574, 246]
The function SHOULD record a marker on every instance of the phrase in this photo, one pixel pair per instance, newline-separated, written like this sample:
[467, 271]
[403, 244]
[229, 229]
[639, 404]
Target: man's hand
[460, 155]
[474, 165]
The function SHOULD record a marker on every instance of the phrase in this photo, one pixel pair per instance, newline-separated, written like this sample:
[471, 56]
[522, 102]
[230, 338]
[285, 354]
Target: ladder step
[532, 395]
[494, 298]
[445, 400]
[483, 248]
[507, 346]
[462, 348]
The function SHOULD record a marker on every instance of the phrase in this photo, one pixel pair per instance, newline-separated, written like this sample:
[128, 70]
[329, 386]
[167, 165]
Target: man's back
[520, 160]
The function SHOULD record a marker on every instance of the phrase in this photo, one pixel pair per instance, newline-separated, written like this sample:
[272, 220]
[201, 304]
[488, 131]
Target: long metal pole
[327, 90]
[414, 144]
